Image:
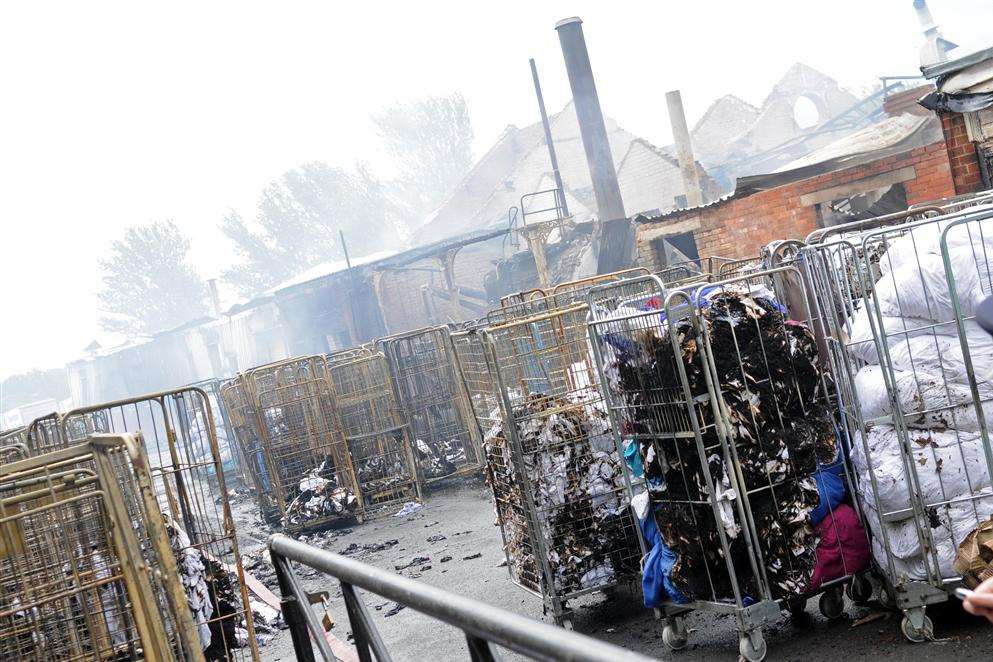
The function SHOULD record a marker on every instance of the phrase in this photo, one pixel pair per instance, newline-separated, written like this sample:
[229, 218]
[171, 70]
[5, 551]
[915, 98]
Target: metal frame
[13, 444]
[543, 378]
[669, 419]
[422, 365]
[86, 570]
[226, 438]
[843, 263]
[243, 414]
[485, 626]
[299, 434]
[178, 430]
[377, 436]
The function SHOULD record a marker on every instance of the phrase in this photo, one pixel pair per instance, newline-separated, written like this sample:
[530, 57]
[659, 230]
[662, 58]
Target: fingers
[985, 587]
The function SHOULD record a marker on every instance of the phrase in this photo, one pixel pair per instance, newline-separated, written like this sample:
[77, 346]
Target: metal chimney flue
[684, 149]
[614, 242]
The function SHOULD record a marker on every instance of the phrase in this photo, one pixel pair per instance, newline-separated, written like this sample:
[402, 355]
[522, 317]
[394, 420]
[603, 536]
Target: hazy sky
[122, 113]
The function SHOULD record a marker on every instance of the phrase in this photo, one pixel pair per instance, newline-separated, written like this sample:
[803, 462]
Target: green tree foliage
[431, 141]
[148, 285]
[298, 222]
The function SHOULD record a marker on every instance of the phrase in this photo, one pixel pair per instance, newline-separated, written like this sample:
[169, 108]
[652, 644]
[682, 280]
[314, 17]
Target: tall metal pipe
[613, 243]
[548, 140]
[684, 149]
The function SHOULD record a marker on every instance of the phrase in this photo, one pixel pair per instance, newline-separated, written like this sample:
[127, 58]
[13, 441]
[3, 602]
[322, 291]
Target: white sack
[919, 287]
[948, 464]
[974, 237]
[926, 401]
[955, 522]
[860, 332]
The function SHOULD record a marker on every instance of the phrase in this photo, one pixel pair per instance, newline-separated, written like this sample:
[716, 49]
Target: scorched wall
[739, 226]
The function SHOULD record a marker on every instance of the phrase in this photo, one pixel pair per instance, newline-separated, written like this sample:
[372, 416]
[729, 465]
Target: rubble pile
[214, 601]
[320, 497]
[928, 380]
[569, 457]
[779, 429]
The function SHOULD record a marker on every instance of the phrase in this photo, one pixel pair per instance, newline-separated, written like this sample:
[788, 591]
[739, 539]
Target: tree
[431, 140]
[298, 222]
[148, 286]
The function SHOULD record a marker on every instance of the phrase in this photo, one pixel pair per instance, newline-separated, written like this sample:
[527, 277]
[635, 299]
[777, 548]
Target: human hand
[980, 601]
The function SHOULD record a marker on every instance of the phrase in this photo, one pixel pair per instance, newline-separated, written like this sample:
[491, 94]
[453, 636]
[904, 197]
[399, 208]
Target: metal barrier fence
[552, 464]
[178, 431]
[485, 627]
[423, 368]
[720, 390]
[86, 569]
[378, 437]
[302, 448]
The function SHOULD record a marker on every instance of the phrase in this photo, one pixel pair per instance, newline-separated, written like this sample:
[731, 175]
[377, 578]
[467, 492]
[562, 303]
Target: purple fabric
[844, 547]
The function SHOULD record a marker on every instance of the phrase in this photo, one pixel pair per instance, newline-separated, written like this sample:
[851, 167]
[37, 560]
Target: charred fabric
[779, 427]
[568, 454]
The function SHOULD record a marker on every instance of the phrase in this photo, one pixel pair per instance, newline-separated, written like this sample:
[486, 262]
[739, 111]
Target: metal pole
[684, 149]
[548, 139]
[353, 327]
[613, 242]
[293, 612]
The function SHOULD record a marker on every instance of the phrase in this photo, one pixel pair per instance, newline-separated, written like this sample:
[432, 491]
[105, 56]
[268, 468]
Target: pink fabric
[843, 549]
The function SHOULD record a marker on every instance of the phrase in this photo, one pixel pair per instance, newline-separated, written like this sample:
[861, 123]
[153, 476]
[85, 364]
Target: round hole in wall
[805, 112]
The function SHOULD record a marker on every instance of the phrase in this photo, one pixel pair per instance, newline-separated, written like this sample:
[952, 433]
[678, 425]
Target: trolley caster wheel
[886, 598]
[752, 648]
[674, 635]
[914, 634]
[860, 590]
[832, 604]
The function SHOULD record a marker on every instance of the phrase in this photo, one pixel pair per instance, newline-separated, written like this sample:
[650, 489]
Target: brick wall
[961, 154]
[739, 227]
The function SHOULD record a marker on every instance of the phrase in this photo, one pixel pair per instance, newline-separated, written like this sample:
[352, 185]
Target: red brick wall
[739, 227]
[961, 154]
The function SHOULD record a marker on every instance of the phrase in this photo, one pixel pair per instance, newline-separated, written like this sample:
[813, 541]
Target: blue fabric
[831, 489]
[655, 582]
[633, 457]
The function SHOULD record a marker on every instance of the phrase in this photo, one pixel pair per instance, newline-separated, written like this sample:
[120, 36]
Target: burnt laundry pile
[906, 339]
[779, 428]
[573, 471]
[439, 458]
[211, 593]
[319, 496]
[381, 469]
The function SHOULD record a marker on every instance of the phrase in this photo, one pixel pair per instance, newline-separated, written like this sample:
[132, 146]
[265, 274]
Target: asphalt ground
[463, 514]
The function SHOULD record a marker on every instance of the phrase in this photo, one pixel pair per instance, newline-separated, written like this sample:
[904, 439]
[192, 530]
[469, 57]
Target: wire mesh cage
[302, 460]
[720, 387]
[552, 463]
[44, 433]
[378, 438]
[243, 415]
[13, 444]
[178, 431]
[483, 409]
[231, 456]
[423, 368]
[898, 296]
[86, 572]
